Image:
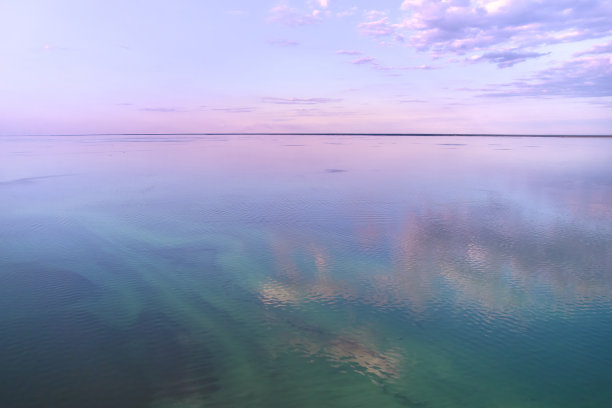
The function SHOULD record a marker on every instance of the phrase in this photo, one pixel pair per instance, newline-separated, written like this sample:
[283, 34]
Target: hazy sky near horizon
[502, 66]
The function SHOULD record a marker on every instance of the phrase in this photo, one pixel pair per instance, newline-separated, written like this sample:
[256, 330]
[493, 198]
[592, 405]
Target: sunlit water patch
[281, 271]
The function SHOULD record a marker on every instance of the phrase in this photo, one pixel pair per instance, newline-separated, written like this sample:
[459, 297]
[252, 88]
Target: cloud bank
[517, 27]
[586, 76]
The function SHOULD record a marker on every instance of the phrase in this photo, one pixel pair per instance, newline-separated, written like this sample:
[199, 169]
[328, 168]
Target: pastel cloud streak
[507, 58]
[348, 52]
[589, 76]
[364, 60]
[298, 101]
[597, 49]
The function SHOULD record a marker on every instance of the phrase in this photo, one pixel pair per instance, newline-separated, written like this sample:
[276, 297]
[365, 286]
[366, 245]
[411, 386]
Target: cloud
[298, 101]
[459, 27]
[283, 43]
[416, 67]
[507, 58]
[283, 14]
[605, 103]
[364, 60]
[348, 52]
[413, 101]
[580, 77]
[379, 27]
[370, 61]
[246, 109]
[316, 112]
[598, 49]
[163, 110]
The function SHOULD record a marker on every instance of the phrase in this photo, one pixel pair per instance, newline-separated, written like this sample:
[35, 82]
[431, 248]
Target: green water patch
[67, 359]
[72, 359]
[29, 288]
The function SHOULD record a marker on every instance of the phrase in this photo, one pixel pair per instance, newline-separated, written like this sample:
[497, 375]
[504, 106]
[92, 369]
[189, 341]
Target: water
[305, 271]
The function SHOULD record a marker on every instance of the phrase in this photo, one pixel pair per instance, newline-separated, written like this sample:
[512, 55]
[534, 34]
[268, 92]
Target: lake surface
[305, 271]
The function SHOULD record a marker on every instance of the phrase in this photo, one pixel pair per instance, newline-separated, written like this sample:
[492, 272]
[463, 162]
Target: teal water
[305, 271]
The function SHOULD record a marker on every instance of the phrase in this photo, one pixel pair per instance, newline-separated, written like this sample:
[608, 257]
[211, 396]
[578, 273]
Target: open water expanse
[305, 271]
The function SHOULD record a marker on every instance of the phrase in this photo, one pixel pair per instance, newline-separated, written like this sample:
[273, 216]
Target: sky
[396, 66]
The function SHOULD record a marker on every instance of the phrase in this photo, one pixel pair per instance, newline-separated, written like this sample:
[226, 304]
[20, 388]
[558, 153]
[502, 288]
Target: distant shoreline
[319, 134]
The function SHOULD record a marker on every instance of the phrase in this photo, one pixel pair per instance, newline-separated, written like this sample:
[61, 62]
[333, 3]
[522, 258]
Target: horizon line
[317, 134]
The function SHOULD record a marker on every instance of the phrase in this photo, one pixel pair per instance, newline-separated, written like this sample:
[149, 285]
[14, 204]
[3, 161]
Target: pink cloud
[377, 28]
[598, 49]
[298, 101]
[283, 14]
[364, 60]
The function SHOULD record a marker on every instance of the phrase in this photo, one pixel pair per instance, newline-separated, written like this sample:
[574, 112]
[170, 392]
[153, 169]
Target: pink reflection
[399, 219]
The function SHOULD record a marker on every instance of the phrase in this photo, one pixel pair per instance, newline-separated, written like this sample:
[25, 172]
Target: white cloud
[379, 26]
[460, 27]
[312, 12]
[288, 16]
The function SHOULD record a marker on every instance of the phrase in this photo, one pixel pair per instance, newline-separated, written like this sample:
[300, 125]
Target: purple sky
[456, 66]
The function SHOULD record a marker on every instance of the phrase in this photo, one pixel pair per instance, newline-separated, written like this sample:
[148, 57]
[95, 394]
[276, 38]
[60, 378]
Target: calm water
[285, 271]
